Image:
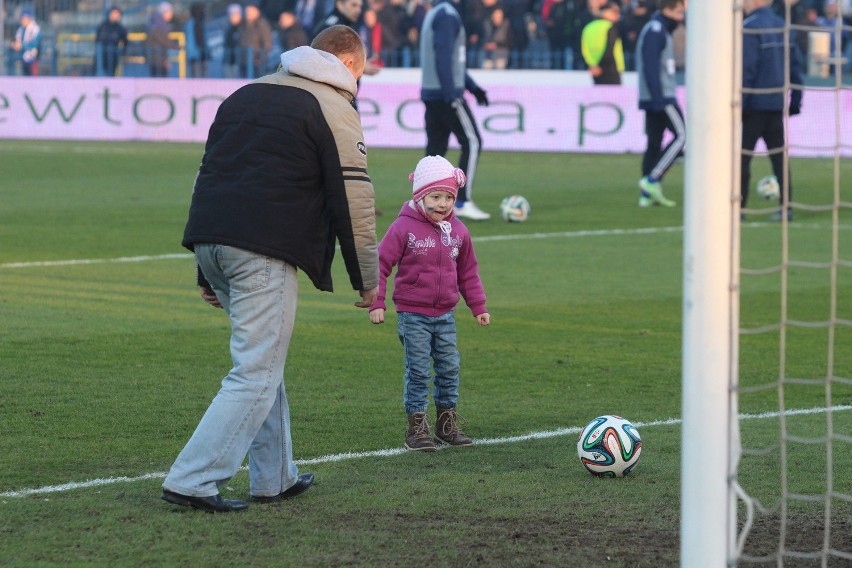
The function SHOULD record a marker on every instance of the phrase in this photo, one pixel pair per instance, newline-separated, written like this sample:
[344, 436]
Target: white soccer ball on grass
[768, 187]
[515, 209]
[609, 446]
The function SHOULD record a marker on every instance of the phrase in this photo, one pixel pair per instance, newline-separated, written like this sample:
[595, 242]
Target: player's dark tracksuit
[655, 65]
[763, 113]
[445, 78]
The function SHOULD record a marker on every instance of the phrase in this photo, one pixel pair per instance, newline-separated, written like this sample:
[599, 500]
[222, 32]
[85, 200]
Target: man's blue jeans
[424, 338]
[250, 413]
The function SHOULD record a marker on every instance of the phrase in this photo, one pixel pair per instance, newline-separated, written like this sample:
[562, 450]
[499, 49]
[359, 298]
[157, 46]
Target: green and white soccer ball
[609, 446]
[515, 209]
[768, 187]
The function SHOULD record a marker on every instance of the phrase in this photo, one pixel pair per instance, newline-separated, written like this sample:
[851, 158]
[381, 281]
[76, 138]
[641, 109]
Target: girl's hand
[377, 316]
[483, 319]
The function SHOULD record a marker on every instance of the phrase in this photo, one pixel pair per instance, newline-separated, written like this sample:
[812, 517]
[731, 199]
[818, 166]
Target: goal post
[710, 435]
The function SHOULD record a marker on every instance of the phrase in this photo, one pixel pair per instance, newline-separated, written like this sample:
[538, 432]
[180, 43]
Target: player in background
[443, 59]
[27, 43]
[655, 65]
[763, 113]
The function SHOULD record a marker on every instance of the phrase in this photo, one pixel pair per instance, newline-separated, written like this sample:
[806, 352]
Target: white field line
[80, 261]
[332, 458]
[488, 239]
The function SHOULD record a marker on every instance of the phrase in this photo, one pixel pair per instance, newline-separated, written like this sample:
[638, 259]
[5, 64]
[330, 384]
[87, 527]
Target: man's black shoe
[305, 480]
[214, 504]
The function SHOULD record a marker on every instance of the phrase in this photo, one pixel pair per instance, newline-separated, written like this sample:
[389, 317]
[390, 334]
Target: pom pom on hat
[435, 173]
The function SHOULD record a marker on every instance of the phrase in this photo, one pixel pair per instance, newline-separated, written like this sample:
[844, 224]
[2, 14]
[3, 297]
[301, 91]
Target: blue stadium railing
[82, 57]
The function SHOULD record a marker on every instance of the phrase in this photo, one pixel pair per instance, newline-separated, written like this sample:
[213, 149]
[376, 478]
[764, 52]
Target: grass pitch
[108, 358]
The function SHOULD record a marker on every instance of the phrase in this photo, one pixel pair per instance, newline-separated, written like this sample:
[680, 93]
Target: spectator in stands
[798, 17]
[308, 14]
[347, 13]
[679, 39]
[233, 57]
[764, 56]
[197, 51]
[601, 45]
[517, 13]
[291, 34]
[110, 42]
[474, 14]
[272, 9]
[256, 39]
[632, 21]
[443, 60]
[655, 65]
[159, 43]
[371, 34]
[557, 17]
[584, 16]
[27, 43]
[496, 41]
[846, 13]
[472, 18]
[832, 21]
[392, 18]
[415, 11]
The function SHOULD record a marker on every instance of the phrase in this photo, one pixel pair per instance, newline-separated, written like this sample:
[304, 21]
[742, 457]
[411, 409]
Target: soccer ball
[515, 209]
[768, 187]
[609, 446]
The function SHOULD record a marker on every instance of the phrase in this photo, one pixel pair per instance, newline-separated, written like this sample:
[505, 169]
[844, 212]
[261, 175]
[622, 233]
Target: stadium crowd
[244, 39]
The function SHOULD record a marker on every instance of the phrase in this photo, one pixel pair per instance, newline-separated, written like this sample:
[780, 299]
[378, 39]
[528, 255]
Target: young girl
[434, 256]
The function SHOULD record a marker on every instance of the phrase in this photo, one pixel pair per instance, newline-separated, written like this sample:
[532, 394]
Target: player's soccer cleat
[470, 211]
[654, 191]
[777, 216]
[645, 200]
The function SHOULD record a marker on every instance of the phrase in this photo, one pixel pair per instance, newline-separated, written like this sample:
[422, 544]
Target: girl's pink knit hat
[435, 173]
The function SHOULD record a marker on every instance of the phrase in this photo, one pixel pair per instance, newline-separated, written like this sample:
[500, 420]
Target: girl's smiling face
[438, 204]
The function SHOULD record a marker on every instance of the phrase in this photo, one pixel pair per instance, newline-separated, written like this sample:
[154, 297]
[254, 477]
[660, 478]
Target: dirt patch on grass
[548, 541]
[804, 536]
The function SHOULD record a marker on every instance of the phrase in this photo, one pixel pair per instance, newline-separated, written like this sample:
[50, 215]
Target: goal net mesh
[794, 480]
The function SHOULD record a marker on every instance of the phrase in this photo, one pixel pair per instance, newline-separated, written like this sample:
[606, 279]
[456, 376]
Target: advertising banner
[534, 111]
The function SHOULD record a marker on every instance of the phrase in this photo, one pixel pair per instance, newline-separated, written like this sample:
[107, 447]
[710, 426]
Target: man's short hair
[339, 40]
[671, 3]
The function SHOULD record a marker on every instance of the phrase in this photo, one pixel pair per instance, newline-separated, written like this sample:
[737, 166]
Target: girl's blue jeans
[429, 342]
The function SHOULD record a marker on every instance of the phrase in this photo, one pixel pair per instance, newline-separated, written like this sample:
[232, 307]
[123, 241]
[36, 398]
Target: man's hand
[368, 297]
[208, 296]
[481, 97]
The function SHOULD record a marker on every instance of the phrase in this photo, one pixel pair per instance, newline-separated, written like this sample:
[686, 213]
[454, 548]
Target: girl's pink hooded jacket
[433, 266]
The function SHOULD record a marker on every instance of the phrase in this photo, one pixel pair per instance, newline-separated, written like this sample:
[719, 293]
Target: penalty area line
[332, 458]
